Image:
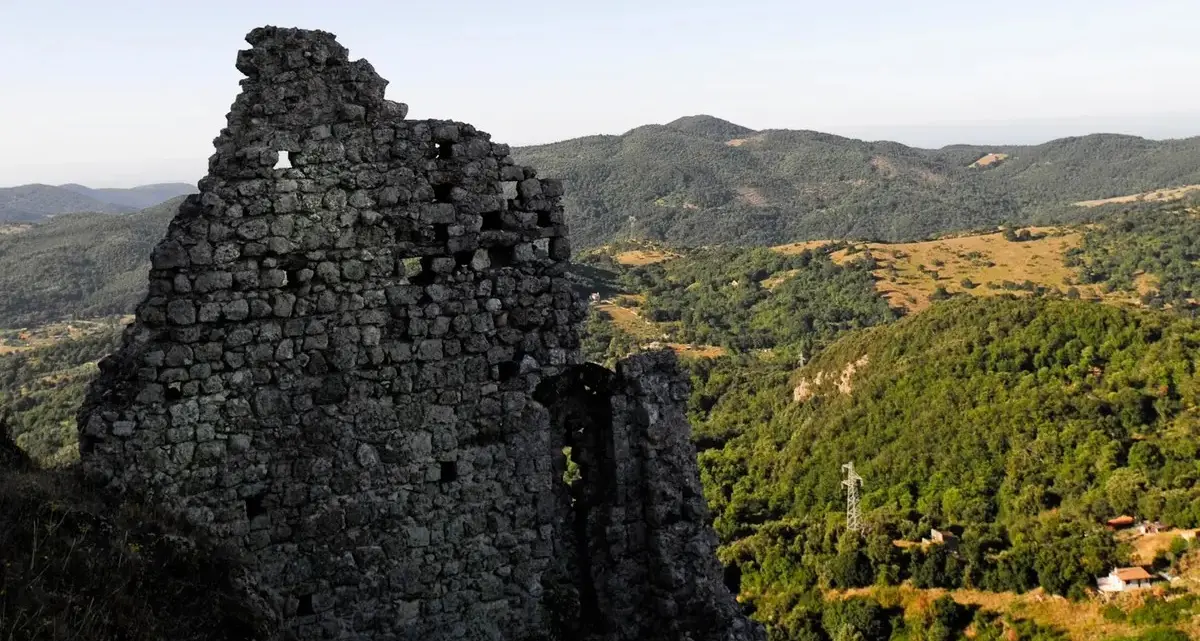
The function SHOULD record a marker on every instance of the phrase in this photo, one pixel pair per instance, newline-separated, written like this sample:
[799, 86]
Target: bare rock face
[335, 369]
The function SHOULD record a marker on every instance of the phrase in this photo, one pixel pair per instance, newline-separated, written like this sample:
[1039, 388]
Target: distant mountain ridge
[36, 202]
[703, 180]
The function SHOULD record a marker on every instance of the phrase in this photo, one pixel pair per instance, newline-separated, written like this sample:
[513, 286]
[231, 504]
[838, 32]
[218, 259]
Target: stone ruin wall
[335, 371]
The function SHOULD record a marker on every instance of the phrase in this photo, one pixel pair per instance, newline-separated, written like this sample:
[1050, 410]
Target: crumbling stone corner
[648, 567]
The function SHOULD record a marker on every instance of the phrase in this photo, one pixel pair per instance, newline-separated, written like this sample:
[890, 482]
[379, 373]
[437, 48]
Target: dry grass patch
[909, 273]
[685, 350]
[8, 229]
[629, 321]
[752, 196]
[1146, 546]
[639, 257]
[989, 160]
[738, 142]
[1081, 621]
[1158, 195]
[799, 248]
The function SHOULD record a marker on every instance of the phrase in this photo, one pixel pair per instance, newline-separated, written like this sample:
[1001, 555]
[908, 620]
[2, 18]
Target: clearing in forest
[989, 160]
[908, 274]
[639, 257]
[1158, 195]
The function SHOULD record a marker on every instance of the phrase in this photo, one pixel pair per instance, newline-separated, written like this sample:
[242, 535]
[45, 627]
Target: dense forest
[702, 180]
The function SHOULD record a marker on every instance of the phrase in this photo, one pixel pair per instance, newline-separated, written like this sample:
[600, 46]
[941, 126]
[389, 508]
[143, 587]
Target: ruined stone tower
[360, 367]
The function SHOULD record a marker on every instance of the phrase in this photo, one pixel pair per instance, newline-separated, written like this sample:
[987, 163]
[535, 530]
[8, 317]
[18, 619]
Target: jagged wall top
[295, 79]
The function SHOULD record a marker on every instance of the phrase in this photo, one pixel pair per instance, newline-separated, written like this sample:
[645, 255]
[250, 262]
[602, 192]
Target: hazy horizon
[133, 92]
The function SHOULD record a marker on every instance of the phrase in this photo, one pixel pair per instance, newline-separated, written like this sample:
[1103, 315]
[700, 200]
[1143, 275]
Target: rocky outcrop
[335, 369]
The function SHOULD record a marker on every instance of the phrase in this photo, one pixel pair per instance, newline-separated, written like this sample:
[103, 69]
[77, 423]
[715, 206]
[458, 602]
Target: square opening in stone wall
[463, 259]
[441, 232]
[508, 370]
[449, 471]
[174, 392]
[254, 506]
[305, 608]
[284, 161]
[441, 193]
[492, 221]
[426, 274]
[500, 256]
[445, 150]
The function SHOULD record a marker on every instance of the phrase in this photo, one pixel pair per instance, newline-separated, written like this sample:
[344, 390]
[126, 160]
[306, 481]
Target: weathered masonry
[358, 362]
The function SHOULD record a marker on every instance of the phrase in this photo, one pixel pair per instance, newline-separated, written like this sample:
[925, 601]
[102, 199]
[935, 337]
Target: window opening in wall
[544, 219]
[500, 256]
[571, 473]
[174, 392]
[284, 162]
[463, 258]
[426, 274]
[492, 220]
[449, 471]
[508, 370]
[441, 232]
[306, 606]
[254, 506]
[441, 193]
[445, 150]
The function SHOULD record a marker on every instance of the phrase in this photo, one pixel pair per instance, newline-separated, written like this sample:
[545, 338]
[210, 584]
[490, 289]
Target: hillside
[78, 265]
[32, 203]
[1020, 424]
[701, 180]
[43, 374]
[139, 197]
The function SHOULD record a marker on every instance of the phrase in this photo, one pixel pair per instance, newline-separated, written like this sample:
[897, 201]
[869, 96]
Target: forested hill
[702, 180]
[79, 265]
[1021, 424]
[982, 410]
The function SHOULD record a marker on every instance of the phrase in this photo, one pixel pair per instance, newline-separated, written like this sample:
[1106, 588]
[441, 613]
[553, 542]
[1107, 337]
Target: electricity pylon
[852, 483]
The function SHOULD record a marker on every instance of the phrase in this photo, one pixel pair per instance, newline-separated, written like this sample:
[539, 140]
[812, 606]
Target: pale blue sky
[122, 92]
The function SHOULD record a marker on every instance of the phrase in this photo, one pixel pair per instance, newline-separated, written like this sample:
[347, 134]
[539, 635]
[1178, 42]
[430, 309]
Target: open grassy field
[1147, 545]
[909, 273]
[638, 257]
[623, 313]
[989, 160]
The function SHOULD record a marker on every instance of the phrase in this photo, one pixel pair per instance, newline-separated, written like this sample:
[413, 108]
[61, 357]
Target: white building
[1125, 579]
